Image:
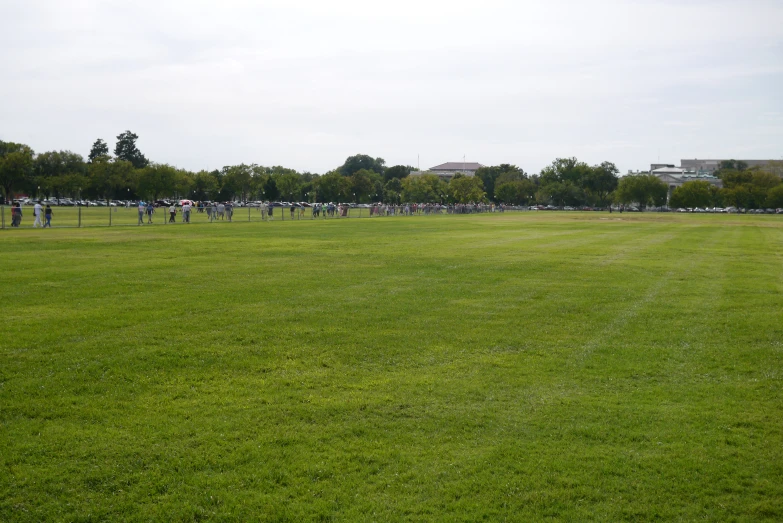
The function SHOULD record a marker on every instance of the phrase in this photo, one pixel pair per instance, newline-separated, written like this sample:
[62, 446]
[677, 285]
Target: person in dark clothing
[16, 215]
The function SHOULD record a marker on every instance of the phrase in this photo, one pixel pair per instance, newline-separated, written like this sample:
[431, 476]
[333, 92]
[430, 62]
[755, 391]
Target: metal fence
[110, 216]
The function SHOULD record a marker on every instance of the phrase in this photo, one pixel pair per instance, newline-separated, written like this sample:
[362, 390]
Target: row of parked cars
[66, 202]
[569, 208]
[730, 210]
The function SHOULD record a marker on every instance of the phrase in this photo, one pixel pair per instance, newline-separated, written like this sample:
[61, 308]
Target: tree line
[129, 175]
[743, 188]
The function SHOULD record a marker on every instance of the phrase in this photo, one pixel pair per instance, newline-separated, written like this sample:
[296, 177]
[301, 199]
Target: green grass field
[523, 367]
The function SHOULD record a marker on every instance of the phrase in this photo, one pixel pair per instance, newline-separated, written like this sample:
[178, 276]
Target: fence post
[109, 214]
[2, 211]
[80, 216]
[248, 213]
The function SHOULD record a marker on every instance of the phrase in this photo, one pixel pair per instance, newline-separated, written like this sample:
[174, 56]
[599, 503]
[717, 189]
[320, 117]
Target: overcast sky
[305, 84]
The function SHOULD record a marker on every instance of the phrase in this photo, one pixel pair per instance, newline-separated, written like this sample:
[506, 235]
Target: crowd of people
[39, 211]
[224, 211]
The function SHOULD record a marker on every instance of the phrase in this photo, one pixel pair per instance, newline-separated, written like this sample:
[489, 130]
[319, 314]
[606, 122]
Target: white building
[673, 177]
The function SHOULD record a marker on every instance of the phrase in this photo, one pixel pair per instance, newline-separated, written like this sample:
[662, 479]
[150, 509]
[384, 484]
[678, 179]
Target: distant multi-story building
[710, 166]
[673, 177]
[447, 170]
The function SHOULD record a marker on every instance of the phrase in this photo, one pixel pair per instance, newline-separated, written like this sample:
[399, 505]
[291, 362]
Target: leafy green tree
[392, 191]
[363, 184]
[490, 175]
[508, 192]
[238, 180]
[270, 189]
[514, 192]
[560, 193]
[109, 179]
[733, 178]
[56, 172]
[307, 190]
[205, 186]
[184, 183]
[397, 171]
[758, 196]
[362, 161]
[600, 181]
[716, 196]
[565, 181]
[16, 168]
[333, 187]
[774, 167]
[289, 186]
[644, 189]
[157, 180]
[99, 149]
[423, 188]
[467, 189]
[691, 195]
[126, 150]
[737, 196]
[775, 197]
[748, 188]
[565, 170]
[764, 179]
[732, 165]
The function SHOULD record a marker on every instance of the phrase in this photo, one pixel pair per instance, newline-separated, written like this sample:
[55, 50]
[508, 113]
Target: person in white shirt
[172, 213]
[37, 211]
[142, 208]
[186, 212]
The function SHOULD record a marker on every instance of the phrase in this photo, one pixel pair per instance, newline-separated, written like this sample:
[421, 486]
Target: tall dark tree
[60, 172]
[16, 168]
[398, 171]
[110, 179]
[489, 175]
[692, 194]
[271, 192]
[358, 162]
[99, 149]
[126, 150]
[601, 180]
[157, 180]
[644, 189]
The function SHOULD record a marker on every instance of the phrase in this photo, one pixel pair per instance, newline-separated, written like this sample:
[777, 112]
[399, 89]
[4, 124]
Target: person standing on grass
[142, 208]
[186, 212]
[48, 216]
[229, 210]
[172, 213]
[37, 211]
[16, 215]
[150, 210]
[221, 211]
